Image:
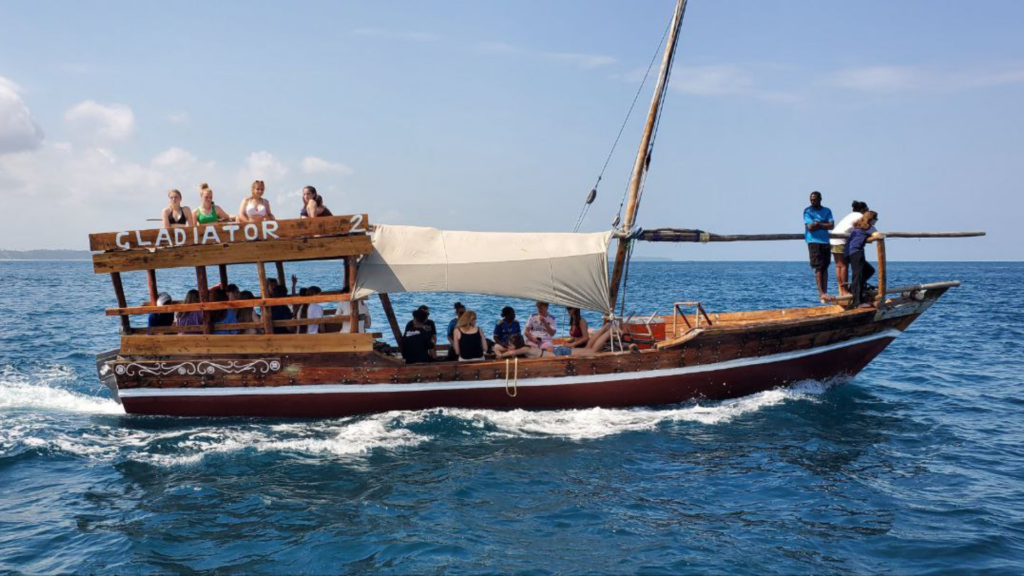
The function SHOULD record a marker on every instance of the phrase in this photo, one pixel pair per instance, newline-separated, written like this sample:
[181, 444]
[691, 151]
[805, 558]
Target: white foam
[599, 422]
[37, 392]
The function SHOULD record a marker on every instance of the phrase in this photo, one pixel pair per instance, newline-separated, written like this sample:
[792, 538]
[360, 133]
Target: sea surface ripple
[915, 466]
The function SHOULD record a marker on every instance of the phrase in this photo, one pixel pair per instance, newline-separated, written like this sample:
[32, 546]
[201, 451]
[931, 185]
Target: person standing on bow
[174, 213]
[208, 212]
[839, 244]
[255, 208]
[540, 328]
[817, 223]
[862, 233]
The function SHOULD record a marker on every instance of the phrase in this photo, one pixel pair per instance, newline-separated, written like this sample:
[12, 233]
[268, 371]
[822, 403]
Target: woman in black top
[174, 213]
[470, 343]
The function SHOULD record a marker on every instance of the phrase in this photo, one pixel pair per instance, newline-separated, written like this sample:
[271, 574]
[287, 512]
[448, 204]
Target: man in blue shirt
[817, 223]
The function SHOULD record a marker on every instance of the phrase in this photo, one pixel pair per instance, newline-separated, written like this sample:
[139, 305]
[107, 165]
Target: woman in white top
[839, 244]
[174, 213]
[255, 208]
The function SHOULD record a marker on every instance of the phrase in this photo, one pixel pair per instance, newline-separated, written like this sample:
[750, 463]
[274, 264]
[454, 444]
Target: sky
[499, 115]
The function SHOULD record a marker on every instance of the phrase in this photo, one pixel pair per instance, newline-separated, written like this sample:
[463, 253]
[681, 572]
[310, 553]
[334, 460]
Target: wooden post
[389, 311]
[353, 304]
[643, 154]
[280, 273]
[881, 272]
[223, 269]
[268, 319]
[151, 281]
[115, 279]
[204, 296]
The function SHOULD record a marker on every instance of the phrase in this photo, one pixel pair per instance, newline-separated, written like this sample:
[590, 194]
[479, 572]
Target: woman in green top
[208, 212]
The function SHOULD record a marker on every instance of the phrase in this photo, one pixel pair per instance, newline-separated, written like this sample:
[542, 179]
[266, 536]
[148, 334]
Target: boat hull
[714, 381]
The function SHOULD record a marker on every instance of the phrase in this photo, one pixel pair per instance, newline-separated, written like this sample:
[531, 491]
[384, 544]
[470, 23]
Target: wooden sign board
[228, 233]
[282, 250]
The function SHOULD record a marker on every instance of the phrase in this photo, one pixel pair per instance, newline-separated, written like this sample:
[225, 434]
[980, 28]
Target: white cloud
[173, 156]
[894, 79]
[585, 61]
[262, 166]
[178, 118]
[103, 122]
[714, 80]
[396, 34]
[314, 165]
[578, 59]
[18, 130]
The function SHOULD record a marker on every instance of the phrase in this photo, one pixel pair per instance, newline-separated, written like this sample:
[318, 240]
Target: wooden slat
[279, 267]
[334, 296]
[241, 253]
[204, 297]
[151, 283]
[222, 269]
[297, 228]
[389, 311]
[200, 344]
[268, 324]
[115, 279]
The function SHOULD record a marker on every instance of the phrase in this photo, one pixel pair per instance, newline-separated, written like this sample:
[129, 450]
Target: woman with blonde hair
[208, 212]
[174, 213]
[469, 341]
[255, 208]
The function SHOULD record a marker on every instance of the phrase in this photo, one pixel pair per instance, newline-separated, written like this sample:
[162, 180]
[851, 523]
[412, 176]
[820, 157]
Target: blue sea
[915, 466]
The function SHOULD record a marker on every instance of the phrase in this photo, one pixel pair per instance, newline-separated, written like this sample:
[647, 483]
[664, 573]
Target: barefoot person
[208, 212]
[839, 244]
[598, 340]
[862, 233]
[255, 208]
[174, 213]
[817, 223]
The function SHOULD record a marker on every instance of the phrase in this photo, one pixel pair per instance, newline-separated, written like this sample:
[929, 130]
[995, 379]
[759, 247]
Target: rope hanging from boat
[593, 191]
[514, 391]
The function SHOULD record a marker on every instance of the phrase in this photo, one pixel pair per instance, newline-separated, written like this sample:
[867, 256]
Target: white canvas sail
[559, 268]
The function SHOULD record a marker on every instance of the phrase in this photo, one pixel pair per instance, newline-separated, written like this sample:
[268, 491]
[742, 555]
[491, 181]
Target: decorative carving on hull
[200, 368]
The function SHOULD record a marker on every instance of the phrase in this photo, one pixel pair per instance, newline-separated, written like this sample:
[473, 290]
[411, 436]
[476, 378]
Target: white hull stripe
[495, 383]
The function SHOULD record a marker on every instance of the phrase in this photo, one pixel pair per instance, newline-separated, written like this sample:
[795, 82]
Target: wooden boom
[691, 235]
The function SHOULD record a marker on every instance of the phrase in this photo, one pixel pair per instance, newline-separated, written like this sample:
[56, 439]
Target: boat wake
[39, 416]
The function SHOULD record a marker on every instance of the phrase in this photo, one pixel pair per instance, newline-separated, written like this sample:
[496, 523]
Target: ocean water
[915, 466]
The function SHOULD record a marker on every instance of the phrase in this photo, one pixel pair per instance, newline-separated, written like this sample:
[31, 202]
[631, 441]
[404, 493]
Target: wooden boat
[191, 371]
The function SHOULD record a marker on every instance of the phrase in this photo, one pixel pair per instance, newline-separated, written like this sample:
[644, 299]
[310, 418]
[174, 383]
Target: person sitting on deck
[470, 342]
[228, 316]
[429, 322]
[817, 222]
[189, 318]
[174, 213]
[208, 212]
[159, 320]
[313, 204]
[280, 312]
[862, 233]
[233, 292]
[596, 345]
[312, 310]
[255, 208]
[459, 310]
[579, 331]
[417, 340]
[247, 315]
[540, 327]
[344, 313]
[839, 244]
[505, 329]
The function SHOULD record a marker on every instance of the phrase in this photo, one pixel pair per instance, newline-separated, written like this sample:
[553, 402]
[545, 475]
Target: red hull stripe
[498, 383]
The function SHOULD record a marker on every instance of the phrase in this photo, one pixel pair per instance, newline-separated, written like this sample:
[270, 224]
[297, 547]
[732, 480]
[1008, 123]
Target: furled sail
[560, 268]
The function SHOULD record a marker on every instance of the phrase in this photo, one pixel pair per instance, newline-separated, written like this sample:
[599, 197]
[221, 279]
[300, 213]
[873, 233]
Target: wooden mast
[643, 155]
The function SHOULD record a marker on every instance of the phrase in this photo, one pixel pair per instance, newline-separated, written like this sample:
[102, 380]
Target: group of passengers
[468, 343]
[254, 208]
[848, 252]
[231, 316]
